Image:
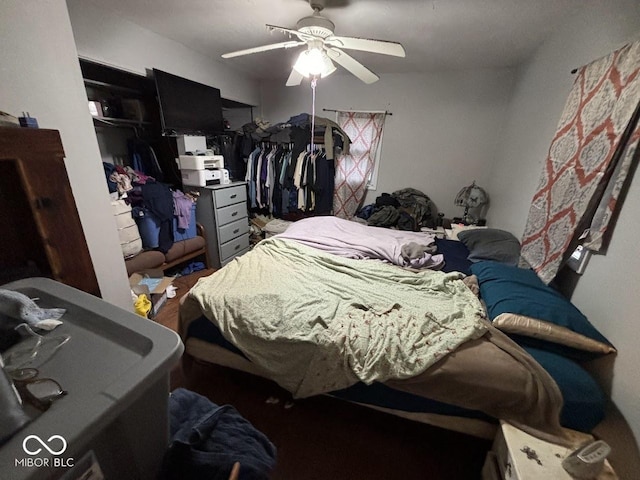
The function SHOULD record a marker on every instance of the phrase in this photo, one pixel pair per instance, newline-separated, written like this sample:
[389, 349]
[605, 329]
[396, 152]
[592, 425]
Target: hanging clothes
[324, 184]
[250, 177]
[284, 177]
[330, 127]
[143, 158]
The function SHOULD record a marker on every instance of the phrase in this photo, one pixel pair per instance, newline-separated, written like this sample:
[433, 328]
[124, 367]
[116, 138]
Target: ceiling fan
[324, 48]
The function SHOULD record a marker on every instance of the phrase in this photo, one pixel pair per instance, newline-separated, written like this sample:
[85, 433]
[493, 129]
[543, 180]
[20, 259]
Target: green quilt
[318, 322]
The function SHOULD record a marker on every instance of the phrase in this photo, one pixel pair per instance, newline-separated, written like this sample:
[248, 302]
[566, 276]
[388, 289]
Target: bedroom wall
[107, 38]
[42, 76]
[607, 292]
[443, 132]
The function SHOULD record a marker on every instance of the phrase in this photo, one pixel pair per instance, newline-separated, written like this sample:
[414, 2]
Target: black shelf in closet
[118, 122]
[112, 85]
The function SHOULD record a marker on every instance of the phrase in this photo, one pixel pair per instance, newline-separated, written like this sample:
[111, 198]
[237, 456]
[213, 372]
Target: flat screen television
[188, 107]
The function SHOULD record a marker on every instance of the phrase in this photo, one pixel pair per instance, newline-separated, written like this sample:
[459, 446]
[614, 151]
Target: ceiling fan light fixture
[328, 68]
[324, 48]
[314, 62]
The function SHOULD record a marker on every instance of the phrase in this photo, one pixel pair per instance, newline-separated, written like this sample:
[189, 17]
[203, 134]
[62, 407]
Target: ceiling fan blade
[294, 79]
[301, 35]
[263, 48]
[383, 47]
[351, 64]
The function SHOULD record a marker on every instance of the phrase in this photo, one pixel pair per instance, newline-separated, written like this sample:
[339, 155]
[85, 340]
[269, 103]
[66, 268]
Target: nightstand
[516, 455]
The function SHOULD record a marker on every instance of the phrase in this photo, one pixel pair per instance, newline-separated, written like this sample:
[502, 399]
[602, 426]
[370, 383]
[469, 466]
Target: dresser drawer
[233, 247]
[232, 230]
[230, 214]
[502, 458]
[235, 256]
[231, 195]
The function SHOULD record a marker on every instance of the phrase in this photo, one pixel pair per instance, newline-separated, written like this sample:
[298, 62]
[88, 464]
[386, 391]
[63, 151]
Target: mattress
[584, 401]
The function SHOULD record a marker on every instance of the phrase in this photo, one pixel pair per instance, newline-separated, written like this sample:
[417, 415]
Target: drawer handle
[234, 214]
[236, 230]
[237, 247]
[234, 195]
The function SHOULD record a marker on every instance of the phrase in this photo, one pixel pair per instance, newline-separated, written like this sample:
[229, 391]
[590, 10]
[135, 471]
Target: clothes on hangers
[330, 127]
[280, 183]
[283, 176]
[325, 127]
[265, 177]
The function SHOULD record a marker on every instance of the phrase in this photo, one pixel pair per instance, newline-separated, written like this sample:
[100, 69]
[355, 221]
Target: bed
[393, 321]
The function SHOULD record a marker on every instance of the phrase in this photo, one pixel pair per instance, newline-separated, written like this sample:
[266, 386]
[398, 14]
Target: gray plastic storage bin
[116, 371]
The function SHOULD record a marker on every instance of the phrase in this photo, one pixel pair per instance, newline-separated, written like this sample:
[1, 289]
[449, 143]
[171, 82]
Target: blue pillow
[584, 400]
[509, 289]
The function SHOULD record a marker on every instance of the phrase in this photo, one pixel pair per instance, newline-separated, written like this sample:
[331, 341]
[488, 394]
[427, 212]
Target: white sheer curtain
[353, 171]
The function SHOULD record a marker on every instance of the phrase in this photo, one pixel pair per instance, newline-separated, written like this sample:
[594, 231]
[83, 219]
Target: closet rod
[357, 111]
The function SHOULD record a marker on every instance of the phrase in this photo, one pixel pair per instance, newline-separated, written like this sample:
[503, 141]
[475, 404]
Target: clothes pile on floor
[207, 440]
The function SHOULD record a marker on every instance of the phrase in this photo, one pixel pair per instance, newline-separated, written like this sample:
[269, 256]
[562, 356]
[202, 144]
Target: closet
[126, 117]
[43, 236]
[126, 109]
[289, 174]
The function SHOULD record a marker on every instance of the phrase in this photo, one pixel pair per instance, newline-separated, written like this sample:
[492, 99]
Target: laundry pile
[405, 209]
[207, 440]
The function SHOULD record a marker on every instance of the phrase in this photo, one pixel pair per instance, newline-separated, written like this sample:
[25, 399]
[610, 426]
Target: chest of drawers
[516, 455]
[222, 210]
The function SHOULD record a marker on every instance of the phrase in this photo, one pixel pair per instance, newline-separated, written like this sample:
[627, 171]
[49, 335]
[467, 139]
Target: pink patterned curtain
[588, 163]
[354, 170]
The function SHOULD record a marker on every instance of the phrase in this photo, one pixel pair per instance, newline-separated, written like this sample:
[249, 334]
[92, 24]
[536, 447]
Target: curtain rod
[357, 111]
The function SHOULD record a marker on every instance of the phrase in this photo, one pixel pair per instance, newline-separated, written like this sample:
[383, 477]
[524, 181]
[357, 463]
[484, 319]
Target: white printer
[203, 170]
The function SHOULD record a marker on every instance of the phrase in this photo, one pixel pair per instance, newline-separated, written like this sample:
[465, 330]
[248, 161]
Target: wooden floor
[327, 439]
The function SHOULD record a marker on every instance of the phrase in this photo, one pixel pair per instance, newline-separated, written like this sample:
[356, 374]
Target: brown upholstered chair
[180, 252]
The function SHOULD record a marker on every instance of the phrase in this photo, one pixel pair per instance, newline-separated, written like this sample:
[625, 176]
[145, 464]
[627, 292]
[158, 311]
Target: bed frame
[197, 350]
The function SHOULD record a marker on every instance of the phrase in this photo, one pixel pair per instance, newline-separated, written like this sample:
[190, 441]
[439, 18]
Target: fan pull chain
[314, 81]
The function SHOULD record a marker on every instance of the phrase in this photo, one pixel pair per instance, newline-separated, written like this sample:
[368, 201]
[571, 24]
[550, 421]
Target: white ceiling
[436, 34]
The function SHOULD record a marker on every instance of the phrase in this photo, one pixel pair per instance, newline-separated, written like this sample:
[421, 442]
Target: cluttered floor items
[211, 441]
[150, 289]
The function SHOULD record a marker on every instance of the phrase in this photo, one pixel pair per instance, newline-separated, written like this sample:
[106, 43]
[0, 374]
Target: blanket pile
[354, 240]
